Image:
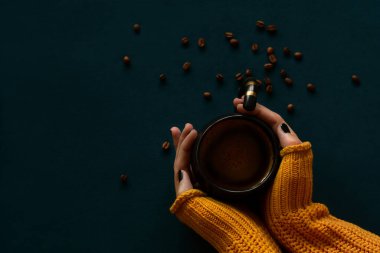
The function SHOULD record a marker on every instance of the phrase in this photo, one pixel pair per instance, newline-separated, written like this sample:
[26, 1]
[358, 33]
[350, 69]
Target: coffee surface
[236, 154]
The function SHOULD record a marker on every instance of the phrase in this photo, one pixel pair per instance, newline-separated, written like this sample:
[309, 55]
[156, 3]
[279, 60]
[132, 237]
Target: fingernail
[285, 128]
[180, 175]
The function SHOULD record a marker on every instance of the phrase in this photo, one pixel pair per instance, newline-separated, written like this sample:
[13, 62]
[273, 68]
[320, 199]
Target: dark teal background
[73, 118]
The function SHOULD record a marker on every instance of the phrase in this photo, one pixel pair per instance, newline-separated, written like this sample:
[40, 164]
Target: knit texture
[226, 228]
[301, 225]
[297, 223]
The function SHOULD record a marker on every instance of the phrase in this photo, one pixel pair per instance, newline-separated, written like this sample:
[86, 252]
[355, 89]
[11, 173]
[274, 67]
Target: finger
[182, 161]
[186, 130]
[263, 113]
[176, 133]
[237, 101]
[183, 182]
[285, 134]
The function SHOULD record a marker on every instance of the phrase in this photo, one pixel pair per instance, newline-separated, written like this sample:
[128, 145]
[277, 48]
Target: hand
[227, 228]
[274, 120]
[183, 143]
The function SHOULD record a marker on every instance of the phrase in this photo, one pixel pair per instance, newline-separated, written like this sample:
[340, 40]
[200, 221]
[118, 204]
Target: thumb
[184, 182]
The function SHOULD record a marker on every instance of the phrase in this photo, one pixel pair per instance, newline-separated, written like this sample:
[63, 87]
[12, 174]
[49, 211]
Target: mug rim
[217, 189]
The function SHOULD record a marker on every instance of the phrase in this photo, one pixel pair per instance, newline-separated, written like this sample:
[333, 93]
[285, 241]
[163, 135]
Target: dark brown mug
[235, 156]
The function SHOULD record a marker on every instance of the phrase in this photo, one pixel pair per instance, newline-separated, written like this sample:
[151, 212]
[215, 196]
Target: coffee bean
[207, 95]
[271, 28]
[310, 87]
[126, 60]
[186, 66]
[267, 81]
[166, 145]
[288, 81]
[136, 28]
[185, 41]
[248, 72]
[260, 24]
[298, 56]
[270, 50]
[219, 77]
[286, 51]
[228, 35]
[272, 59]
[201, 42]
[355, 79]
[269, 89]
[268, 66]
[234, 42]
[283, 73]
[123, 178]
[239, 76]
[255, 47]
[290, 108]
[162, 77]
[259, 82]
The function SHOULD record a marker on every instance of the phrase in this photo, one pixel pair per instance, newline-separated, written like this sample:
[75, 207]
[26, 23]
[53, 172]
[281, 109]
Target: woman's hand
[298, 224]
[285, 134]
[225, 227]
[183, 143]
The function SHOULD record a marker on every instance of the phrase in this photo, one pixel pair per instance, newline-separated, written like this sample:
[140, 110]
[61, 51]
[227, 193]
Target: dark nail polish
[249, 103]
[285, 128]
[180, 175]
[250, 99]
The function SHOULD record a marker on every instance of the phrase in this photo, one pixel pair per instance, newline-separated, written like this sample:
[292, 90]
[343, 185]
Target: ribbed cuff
[226, 228]
[296, 148]
[185, 196]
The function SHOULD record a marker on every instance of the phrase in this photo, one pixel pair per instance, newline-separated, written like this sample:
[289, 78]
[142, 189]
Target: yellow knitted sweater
[297, 223]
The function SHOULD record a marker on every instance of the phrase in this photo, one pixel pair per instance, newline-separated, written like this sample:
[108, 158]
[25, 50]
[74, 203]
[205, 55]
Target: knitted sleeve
[301, 225]
[227, 229]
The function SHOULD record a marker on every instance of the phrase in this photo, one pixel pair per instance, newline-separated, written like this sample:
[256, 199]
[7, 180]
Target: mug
[235, 156]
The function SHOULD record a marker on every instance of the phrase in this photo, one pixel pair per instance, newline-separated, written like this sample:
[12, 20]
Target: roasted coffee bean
[166, 145]
[136, 28]
[239, 76]
[355, 79]
[185, 41]
[123, 178]
[255, 47]
[207, 95]
[283, 73]
[126, 60]
[228, 35]
[288, 81]
[271, 28]
[267, 81]
[269, 89]
[310, 87]
[219, 77]
[298, 56]
[260, 24]
[186, 66]
[268, 66]
[201, 42]
[248, 72]
[272, 58]
[259, 82]
[234, 42]
[162, 77]
[286, 51]
[290, 108]
[270, 50]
